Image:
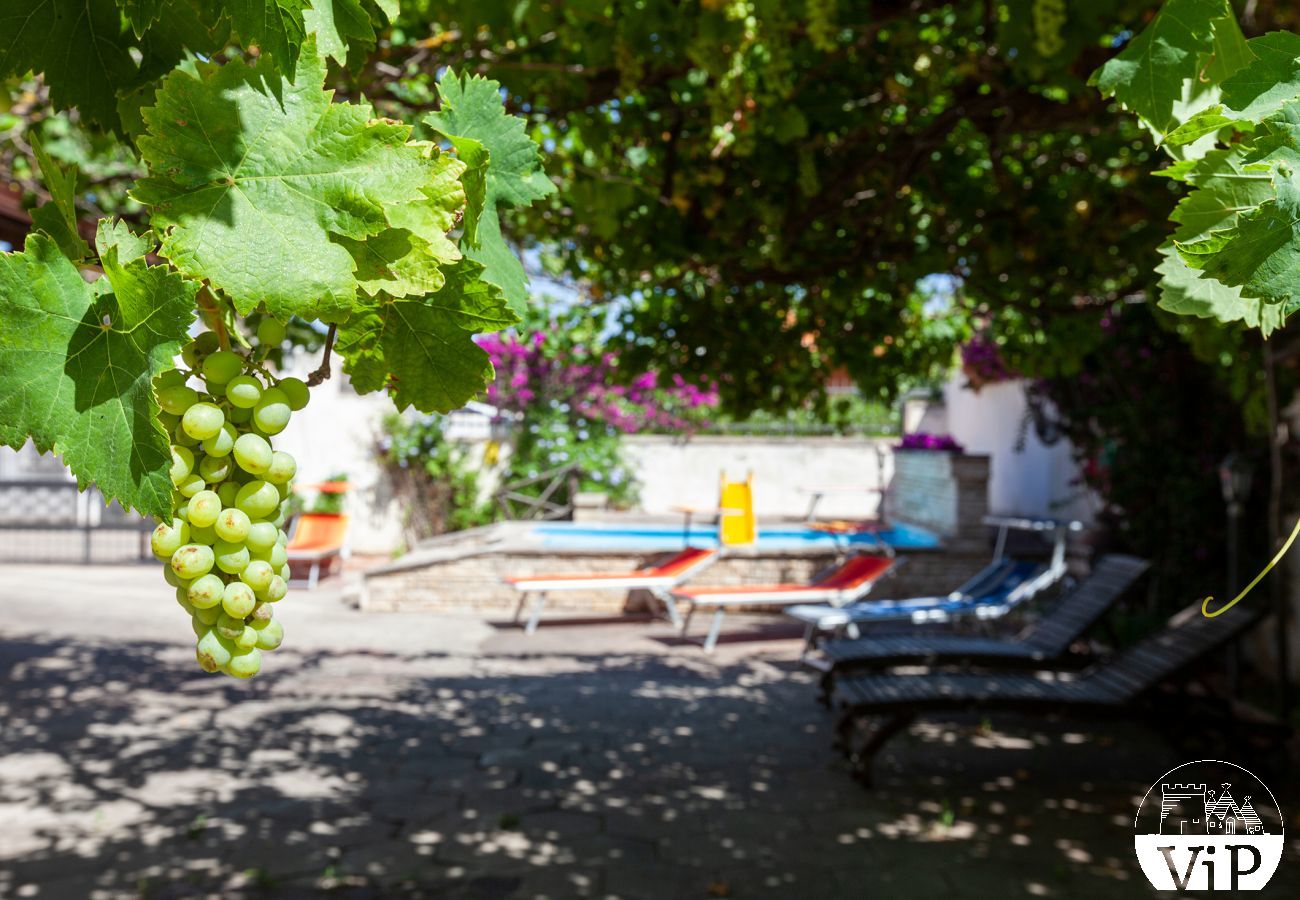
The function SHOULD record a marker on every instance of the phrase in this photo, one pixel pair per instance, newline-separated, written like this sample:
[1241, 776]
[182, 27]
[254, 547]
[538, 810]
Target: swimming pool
[565, 535]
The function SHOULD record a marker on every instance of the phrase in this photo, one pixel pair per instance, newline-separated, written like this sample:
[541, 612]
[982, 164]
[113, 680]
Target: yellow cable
[1205, 604]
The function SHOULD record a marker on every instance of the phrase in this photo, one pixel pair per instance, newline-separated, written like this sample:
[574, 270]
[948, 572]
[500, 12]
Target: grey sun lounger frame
[1111, 688]
[1043, 642]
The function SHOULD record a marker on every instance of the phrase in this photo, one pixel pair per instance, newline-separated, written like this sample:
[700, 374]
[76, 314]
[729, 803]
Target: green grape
[168, 421]
[279, 557]
[246, 664]
[258, 498]
[181, 436]
[168, 537]
[270, 633]
[257, 575]
[206, 592]
[199, 628]
[222, 366]
[282, 538]
[207, 616]
[204, 507]
[262, 536]
[182, 463]
[231, 558]
[296, 391]
[282, 469]
[193, 560]
[203, 420]
[238, 600]
[240, 416]
[172, 578]
[215, 469]
[221, 443]
[261, 611]
[227, 491]
[284, 490]
[228, 626]
[183, 509]
[247, 640]
[182, 598]
[276, 589]
[201, 346]
[232, 525]
[280, 518]
[271, 414]
[253, 454]
[177, 399]
[170, 378]
[191, 485]
[285, 573]
[207, 535]
[244, 391]
[270, 333]
[213, 650]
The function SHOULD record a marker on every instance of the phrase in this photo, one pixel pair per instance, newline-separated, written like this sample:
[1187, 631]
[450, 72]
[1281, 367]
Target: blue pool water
[561, 535]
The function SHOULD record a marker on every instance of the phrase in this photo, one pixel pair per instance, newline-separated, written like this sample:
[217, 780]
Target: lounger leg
[670, 607]
[314, 575]
[519, 607]
[539, 600]
[712, 640]
[864, 754]
[686, 619]
[853, 631]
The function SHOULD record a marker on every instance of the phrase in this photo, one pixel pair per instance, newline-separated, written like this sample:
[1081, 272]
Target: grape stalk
[224, 549]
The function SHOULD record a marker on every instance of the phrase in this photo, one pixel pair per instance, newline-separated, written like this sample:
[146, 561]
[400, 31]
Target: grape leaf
[421, 350]
[275, 26]
[58, 218]
[77, 362]
[398, 263]
[92, 56]
[1272, 78]
[1224, 187]
[1186, 291]
[129, 245]
[1148, 76]
[338, 24]
[472, 107]
[1207, 121]
[141, 13]
[251, 176]
[1261, 253]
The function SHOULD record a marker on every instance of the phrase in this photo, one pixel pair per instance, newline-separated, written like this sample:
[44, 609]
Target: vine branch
[323, 370]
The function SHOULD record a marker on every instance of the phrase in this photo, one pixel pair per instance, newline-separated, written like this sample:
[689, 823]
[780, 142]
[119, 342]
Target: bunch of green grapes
[224, 548]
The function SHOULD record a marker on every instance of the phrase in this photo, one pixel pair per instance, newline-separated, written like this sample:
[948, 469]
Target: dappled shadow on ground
[123, 772]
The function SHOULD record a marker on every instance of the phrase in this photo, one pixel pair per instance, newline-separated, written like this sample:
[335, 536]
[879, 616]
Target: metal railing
[50, 520]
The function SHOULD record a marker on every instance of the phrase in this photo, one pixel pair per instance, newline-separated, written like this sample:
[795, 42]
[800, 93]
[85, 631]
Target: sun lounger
[1107, 688]
[317, 538]
[990, 593]
[657, 579]
[844, 584]
[1043, 642]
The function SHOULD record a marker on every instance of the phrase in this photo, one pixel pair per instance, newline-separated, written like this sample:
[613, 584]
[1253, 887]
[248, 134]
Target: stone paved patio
[415, 755]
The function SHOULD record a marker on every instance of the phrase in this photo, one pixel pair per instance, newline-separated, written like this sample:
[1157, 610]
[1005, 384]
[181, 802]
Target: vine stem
[323, 371]
[212, 316]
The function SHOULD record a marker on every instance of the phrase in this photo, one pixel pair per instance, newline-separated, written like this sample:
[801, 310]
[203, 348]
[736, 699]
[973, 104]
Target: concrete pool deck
[417, 755]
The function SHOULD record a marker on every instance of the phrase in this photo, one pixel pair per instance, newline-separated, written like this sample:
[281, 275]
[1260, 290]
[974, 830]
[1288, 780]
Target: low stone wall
[472, 581]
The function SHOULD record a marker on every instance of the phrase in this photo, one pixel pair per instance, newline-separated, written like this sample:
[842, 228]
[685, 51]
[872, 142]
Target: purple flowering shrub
[983, 363]
[921, 440]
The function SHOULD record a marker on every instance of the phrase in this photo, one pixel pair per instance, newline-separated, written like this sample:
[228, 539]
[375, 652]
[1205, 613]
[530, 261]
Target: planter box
[941, 490]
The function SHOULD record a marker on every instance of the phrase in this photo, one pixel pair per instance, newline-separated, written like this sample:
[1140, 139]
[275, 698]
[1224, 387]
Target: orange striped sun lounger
[846, 583]
[657, 579]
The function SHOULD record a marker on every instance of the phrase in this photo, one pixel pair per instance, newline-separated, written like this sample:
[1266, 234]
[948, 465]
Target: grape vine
[265, 195]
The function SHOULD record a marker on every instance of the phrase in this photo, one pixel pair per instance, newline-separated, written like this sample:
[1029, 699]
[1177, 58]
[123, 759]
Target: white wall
[1034, 482]
[685, 471]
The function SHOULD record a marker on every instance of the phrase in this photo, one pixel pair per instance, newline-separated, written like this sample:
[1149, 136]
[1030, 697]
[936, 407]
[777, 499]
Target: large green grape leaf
[77, 362]
[1186, 291]
[338, 24]
[275, 26]
[251, 175]
[1148, 77]
[1224, 187]
[472, 108]
[58, 218]
[1272, 78]
[421, 349]
[141, 13]
[1260, 254]
[80, 46]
